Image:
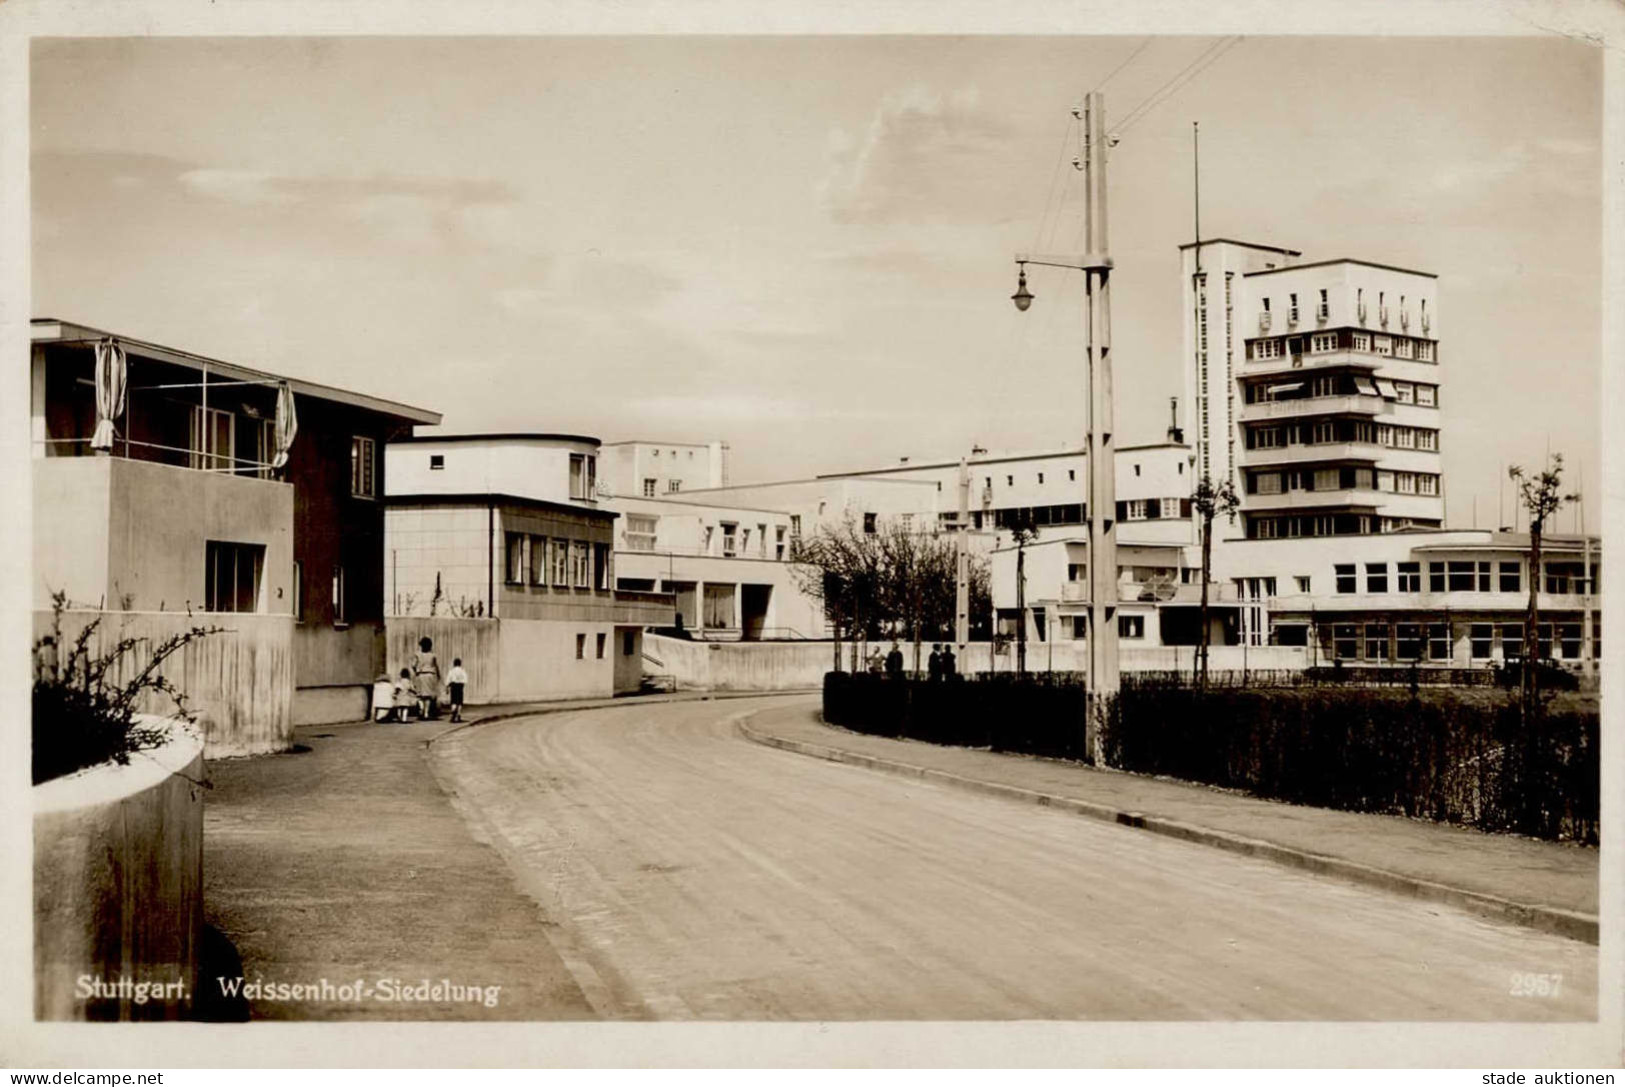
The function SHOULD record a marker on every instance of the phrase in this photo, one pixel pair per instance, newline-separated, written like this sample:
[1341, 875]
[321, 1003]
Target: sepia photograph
[815, 528]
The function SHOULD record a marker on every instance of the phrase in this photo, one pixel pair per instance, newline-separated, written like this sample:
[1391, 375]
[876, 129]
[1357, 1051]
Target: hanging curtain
[110, 392]
[287, 424]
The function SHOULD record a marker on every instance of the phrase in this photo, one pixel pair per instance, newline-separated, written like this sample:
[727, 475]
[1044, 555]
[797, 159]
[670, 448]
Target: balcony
[1321, 453]
[1327, 360]
[1344, 498]
[1304, 407]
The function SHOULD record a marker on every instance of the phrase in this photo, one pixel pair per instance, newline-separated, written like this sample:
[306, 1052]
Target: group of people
[418, 688]
[940, 665]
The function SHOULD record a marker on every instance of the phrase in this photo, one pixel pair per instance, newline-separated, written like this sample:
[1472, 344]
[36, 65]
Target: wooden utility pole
[1095, 262]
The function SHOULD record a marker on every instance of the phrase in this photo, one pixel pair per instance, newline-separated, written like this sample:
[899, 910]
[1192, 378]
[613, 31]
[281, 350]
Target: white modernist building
[497, 548]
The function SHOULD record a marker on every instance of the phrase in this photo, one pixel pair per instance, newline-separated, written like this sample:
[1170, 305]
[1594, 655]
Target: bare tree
[1542, 496]
[893, 580]
[1210, 500]
[1022, 534]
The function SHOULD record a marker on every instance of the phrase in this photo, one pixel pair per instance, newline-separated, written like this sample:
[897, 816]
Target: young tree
[1210, 500]
[1542, 495]
[1022, 534]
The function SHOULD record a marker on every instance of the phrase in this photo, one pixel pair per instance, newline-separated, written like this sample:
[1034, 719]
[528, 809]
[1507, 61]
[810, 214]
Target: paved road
[696, 875]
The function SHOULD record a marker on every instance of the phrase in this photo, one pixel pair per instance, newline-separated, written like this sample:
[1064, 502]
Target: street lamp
[1023, 297]
[1101, 490]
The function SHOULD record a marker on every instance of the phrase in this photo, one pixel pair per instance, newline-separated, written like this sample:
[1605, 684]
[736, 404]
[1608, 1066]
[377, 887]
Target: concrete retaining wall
[239, 682]
[739, 666]
[118, 886]
[781, 666]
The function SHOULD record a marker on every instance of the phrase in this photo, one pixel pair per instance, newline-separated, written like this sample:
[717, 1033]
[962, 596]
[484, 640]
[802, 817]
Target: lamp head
[1023, 297]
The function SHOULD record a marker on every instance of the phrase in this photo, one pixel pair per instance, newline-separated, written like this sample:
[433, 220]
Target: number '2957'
[1536, 984]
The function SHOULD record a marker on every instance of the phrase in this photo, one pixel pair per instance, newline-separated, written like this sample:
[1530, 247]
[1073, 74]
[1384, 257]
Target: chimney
[1176, 434]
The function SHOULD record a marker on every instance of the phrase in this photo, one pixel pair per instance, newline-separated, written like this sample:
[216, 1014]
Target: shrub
[83, 713]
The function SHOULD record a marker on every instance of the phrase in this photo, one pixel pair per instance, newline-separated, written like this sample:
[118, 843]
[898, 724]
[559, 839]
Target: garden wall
[118, 885]
[238, 682]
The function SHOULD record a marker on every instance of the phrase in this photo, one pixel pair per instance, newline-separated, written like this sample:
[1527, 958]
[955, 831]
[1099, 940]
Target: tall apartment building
[647, 469]
[1314, 388]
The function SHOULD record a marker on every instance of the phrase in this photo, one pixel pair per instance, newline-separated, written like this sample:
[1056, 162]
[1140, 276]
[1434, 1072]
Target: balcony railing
[1315, 452]
[1339, 498]
[1349, 404]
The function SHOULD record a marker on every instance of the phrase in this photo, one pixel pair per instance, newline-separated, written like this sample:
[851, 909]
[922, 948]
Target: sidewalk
[1545, 885]
[345, 859]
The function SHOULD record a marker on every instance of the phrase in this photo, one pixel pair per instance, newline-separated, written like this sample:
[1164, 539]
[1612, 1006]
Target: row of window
[1342, 479]
[1399, 642]
[1464, 576]
[1321, 343]
[1419, 393]
[1323, 309]
[1316, 524]
[1358, 431]
[650, 485]
[565, 564]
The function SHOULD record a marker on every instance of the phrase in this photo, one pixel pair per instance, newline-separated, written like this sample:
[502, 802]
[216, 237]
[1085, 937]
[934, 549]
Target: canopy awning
[1365, 386]
[1386, 388]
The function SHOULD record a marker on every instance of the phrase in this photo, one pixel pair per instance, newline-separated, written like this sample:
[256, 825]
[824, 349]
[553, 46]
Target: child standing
[405, 696]
[456, 680]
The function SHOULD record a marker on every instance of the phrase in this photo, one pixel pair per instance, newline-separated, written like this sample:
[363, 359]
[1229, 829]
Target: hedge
[1432, 754]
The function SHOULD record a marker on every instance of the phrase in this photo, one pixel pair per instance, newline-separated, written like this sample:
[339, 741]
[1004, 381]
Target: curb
[617, 704]
[1566, 923]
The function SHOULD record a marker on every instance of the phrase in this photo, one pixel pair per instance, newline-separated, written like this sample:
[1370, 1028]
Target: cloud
[237, 186]
[408, 211]
[926, 156]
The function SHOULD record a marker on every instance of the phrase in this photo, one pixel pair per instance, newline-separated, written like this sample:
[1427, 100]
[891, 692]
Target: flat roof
[647, 441]
[511, 436]
[1003, 458]
[1341, 260]
[1237, 241]
[51, 330]
[495, 498]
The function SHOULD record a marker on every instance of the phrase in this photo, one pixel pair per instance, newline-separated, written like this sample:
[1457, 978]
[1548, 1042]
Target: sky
[803, 245]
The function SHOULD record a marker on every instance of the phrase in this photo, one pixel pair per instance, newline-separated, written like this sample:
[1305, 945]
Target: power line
[1119, 68]
[1195, 68]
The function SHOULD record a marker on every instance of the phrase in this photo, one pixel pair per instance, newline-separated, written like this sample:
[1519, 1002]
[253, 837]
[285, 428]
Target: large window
[538, 560]
[1481, 639]
[1408, 642]
[1346, 641]
[1376, 577]
[1345, 578]
[1376, 641]
[583, 476]
[649, 487]
[600, 566]
[515, 566]
[1462, 579]
[1436, 577]
[1131, 626]
[561, 563]
[1512, 641]
[730, 535]
[580, 565]
[363, 467]
[1439, 648]
[232, 576]
[1410, 577]
[1512, 577]
[640, 532]
[213, 439]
